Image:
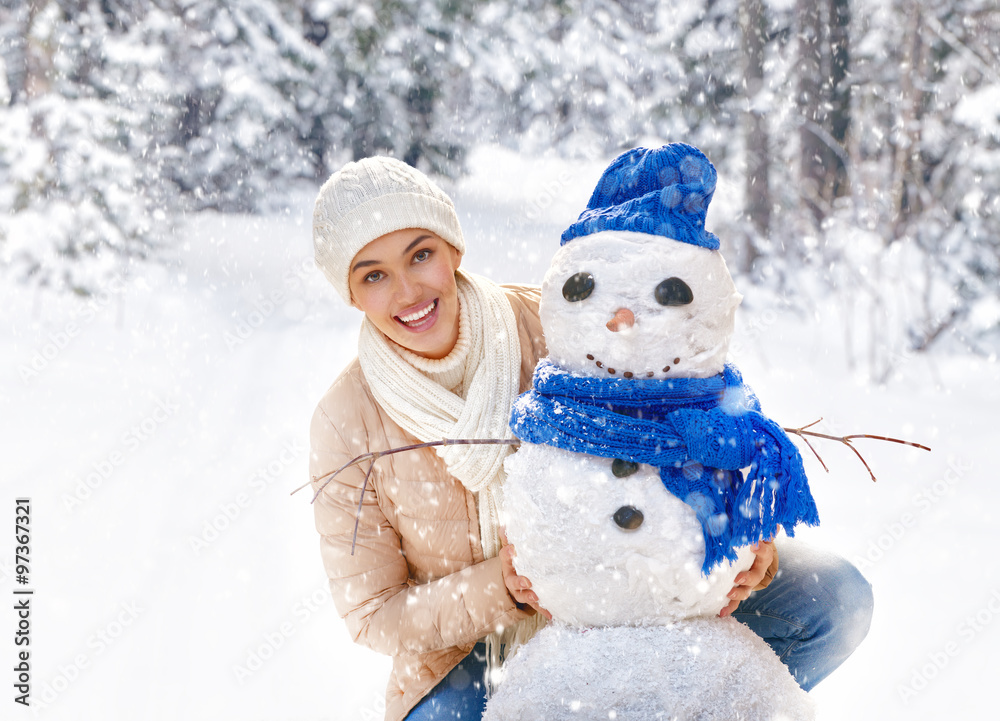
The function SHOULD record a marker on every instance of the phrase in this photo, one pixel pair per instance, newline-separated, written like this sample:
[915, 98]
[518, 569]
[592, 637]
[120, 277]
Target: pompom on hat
[665, 191]
[369, 198]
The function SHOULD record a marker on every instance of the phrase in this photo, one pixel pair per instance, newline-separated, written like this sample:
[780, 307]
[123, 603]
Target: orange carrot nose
[624, 318]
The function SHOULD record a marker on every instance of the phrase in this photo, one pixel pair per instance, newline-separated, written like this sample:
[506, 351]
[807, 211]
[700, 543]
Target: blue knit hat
[665, 192]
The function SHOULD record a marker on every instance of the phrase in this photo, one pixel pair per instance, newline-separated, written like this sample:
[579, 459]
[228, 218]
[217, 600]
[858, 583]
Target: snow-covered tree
[906, 239]
[603, 75]
[395, 70]
[72, 190]
[238, 77]
[866, 133]
[123, 112]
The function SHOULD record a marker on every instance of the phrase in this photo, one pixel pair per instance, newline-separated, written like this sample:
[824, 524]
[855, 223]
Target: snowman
[646, 470]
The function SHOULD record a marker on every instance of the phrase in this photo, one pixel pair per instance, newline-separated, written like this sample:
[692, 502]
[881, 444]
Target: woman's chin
[430, 343]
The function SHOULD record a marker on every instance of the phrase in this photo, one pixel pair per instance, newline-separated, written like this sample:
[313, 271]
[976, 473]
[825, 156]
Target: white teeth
[419, 314]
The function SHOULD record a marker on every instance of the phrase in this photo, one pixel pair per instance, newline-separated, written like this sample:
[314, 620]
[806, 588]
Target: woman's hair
[368, 199]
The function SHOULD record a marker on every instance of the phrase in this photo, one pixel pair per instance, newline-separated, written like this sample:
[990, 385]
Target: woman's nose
[624, 318]
[406, 289]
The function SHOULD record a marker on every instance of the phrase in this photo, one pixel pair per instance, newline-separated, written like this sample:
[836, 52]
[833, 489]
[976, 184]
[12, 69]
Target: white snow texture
[697, 670]
[587, 570]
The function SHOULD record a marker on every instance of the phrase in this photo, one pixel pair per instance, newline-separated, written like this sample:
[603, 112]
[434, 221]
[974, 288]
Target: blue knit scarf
[698, 432]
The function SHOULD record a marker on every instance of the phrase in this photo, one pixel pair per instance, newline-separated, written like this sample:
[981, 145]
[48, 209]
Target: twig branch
[361, 502]
[984, 66]
[375, 455]
[801, 432]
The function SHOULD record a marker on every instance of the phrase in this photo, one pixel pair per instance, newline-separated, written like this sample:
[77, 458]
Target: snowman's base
[697, 670]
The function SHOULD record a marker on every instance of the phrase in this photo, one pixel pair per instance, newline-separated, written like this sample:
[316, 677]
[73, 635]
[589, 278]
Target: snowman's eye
[673, 291]
[623, 469]
[578, 287]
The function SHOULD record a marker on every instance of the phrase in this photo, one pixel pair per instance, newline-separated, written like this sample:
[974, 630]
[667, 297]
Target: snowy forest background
[165, 335]
[865, 135]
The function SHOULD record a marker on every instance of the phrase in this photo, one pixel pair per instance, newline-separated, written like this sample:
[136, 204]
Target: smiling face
[404, 282]
[622, 304]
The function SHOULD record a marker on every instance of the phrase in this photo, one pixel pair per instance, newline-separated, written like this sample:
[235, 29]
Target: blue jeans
[813, 615]
[815, 612]
[459, 695]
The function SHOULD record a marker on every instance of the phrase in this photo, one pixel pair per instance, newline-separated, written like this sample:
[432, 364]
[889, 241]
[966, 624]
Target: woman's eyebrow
[365, 263]
[417, 241]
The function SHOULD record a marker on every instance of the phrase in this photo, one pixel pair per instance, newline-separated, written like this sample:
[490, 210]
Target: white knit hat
[365, 200]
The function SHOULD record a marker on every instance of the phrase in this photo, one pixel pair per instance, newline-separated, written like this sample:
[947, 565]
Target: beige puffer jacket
[417, 587]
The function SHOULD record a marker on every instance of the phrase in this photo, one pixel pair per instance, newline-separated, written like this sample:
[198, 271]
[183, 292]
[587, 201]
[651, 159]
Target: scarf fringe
[774, 495]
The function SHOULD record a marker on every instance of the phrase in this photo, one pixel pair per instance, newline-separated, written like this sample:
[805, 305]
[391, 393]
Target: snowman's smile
[631, 374]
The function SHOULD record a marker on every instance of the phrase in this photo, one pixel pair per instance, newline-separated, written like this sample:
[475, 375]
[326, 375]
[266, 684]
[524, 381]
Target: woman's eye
[374, 276]
[673, 291]
[578, 287]
[421, 255]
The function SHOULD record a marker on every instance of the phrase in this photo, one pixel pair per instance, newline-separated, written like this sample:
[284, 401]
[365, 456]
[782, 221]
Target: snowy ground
[158, 431]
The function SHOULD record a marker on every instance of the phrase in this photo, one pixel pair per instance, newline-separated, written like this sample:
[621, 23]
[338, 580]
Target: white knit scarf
[431, 412]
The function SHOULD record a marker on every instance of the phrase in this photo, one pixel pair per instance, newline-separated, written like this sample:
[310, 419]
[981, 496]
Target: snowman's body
[586, 569]
[701, 669]
[611, 553]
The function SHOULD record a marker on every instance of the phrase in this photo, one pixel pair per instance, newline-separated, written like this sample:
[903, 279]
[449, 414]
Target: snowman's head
[639, 289]
[633, 305]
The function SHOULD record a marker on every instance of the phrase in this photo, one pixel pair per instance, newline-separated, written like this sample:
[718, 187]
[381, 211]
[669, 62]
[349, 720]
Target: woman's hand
[519, 587]
[747, 580]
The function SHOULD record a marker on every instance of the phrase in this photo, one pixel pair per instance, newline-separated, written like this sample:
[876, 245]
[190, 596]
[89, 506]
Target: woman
[442, 354]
